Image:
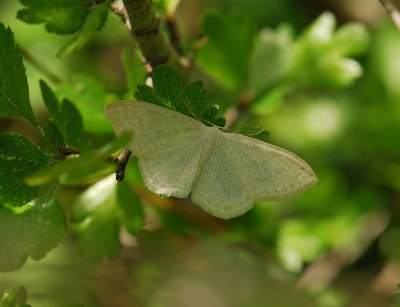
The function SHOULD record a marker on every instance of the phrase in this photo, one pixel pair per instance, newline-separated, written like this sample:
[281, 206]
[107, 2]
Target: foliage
[328, 93]
[15, 297]
[167, 91]
[23, 229]
[14, 95]
[66, 17]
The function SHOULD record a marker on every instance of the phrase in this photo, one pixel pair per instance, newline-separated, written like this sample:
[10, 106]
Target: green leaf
[14, 93]
[210, 115]
[18, 159]
[54, 136]
[269, 102]
[195, 97]
[254, 132]
[351, 39]
[59, 16]
[271, 60]
[321, 55]
[66, 119]
[30, 231]
[98, 213]
[95, 21]
[168, 92]
[226, 55]
[168, 85]
[16, 297]
[90, 165]
[147, 93]
[132, 216]
[96, 220]
[90, 97]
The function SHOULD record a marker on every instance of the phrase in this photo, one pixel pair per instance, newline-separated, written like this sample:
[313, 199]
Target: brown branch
[392, 11]
[154, 46]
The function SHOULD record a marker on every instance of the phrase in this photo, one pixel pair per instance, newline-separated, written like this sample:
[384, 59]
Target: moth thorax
[211, 139]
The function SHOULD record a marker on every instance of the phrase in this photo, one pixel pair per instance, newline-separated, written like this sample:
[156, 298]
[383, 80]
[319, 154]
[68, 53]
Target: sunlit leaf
[90, 165]
[16, 297]
[96, 220]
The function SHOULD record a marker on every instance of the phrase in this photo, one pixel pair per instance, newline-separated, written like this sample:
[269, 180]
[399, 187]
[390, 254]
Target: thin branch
[39, 65]
[119, 9]
[145, 28]
[392, 11]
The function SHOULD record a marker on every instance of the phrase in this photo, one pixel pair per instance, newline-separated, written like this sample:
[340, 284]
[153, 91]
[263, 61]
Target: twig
[145, 28]
[119, 9]
[39, 66]
[174, 37]
[392, 11]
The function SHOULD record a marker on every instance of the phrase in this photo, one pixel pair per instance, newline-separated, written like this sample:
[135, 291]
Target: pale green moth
[225, 172]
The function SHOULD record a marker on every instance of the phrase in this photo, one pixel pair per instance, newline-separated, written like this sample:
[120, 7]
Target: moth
[224, 172]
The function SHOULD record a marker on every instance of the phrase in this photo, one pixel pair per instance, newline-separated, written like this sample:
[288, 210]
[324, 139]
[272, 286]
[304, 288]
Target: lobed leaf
[168, 92]
[149, 94]
[322, 55]
[14, 93]
[18, 159]
[270, 61]
[30, 231]
[95, 20]
[66, 119]
[194, 98]
[59, 16]
[98, 213]
[95, 216]
[90, 97]
[168, 85]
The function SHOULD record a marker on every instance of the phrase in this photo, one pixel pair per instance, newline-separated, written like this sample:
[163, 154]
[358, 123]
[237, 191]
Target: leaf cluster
[168, 92]
[66, 17]
[260, 65]
[267, 64]
[15, 297]
[31, 171]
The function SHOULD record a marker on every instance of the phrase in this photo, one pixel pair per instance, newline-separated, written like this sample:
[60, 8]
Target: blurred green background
[337, 244]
